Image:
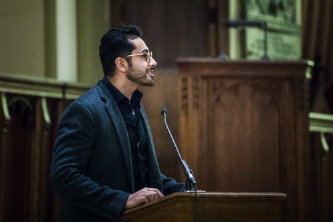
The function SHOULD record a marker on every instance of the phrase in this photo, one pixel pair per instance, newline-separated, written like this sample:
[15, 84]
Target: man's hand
[142, 196]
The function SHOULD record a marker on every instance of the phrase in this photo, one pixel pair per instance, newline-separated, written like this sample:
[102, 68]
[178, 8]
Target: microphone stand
[190, 184]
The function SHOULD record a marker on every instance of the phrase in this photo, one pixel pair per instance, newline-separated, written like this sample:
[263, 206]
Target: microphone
[164, 111]
[190, 180]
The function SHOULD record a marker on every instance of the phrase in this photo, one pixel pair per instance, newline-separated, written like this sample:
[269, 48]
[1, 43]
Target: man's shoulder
[87, 95]
[95, 99]
[99, 92]
[90, 99]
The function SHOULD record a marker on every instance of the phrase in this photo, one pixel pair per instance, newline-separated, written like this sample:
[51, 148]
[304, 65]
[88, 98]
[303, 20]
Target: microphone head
[164, 111]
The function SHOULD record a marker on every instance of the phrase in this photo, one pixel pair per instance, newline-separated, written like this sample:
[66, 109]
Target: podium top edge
[180, 196]
[231, 194]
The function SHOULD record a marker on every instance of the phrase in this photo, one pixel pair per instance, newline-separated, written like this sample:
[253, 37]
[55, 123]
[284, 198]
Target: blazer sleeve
[72, 151]
[170, 185]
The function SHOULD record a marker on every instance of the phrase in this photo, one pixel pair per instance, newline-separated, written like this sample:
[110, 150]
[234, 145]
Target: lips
[150, 72]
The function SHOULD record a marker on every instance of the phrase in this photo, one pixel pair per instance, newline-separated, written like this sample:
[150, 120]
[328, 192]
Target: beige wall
[93, 22]
[22, 37]
[29, 38]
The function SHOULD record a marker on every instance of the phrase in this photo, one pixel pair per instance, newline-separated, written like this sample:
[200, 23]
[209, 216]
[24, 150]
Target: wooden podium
[207, 206]
[243, 127]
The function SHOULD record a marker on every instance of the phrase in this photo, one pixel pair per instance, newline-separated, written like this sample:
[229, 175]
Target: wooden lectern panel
[184, 207]
[243, 127]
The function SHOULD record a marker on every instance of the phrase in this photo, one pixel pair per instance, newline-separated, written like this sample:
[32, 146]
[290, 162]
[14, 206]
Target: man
[104, 159]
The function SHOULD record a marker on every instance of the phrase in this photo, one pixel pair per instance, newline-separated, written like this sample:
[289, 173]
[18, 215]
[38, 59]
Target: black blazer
[91, 162]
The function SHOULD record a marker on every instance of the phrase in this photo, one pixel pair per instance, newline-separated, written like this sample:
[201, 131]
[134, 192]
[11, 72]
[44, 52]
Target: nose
[152, 62]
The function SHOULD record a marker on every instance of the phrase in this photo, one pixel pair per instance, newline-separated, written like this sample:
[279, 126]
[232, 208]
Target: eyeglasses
[147, 55]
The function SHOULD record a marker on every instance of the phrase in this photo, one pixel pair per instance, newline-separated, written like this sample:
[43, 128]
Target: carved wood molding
[301, 93]
[184, 93]
[189, 92]
[270, 87]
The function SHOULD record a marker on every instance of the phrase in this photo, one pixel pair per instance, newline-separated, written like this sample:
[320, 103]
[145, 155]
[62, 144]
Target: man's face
[141, 70]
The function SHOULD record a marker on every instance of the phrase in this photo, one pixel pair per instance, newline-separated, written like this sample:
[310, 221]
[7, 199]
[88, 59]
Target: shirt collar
[119, 97]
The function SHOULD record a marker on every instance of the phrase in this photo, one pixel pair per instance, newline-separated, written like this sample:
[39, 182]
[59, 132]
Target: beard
[140, 77]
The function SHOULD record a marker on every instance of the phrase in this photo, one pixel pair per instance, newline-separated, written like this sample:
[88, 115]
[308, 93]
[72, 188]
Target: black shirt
[130, 110]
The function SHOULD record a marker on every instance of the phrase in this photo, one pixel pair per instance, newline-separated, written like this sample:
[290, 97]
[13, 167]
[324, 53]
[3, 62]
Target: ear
[121, 64]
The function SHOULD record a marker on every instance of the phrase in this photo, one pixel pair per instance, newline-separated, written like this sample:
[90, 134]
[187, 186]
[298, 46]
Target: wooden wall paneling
[40, 161]
[322, 167]
[287, 149]
[204, 132]
[218, 34]
[164, 94]
[327, 182]
[58, 107]
[303, 154]
[317, 25]
[30, 140]
[313, 24]
[26, 142]
[183, 100]
[34, 165]
[330, 51]
[238, 106]
[212, 29]
[317, 170]
[17, 156]
[4, 125]
[179, 28]
[190, 119]
[203, 144]
[325, 29]
[46, 145]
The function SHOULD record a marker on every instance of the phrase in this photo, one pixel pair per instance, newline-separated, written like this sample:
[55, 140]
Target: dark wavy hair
[115, 43]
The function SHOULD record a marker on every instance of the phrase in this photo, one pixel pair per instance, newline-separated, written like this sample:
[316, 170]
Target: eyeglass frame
[146, 55]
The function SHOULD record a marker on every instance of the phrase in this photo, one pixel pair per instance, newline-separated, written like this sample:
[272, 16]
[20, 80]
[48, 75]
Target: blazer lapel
[115, 116]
